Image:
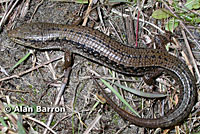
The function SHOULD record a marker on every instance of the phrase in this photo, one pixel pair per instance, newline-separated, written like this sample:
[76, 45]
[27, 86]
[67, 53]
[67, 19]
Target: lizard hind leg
[150, 76]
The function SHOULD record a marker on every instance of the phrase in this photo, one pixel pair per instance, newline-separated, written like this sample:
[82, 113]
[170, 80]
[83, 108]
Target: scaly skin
[99, 48]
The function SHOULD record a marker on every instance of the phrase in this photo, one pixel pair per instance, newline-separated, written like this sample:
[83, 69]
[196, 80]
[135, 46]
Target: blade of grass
[119, 96]
[22, 60]
[140, 93]
[3, 123]
[21, 129]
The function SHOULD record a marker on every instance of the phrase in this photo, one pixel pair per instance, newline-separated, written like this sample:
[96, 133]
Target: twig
[137, 24]
[10, 90]
[29, 70]
[191, 55]
[115, 30]
[125, 15]
[51, 67]
[137, 27]
[92, 124]
[39, 122]
[36, 8]
[87, 13]
[61, 120]
[7, 13]
[122, 128]
[67, 72]
[129, 30]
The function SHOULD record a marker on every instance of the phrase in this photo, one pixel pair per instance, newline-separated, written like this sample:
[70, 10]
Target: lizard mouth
[24, 42]
[33, 44]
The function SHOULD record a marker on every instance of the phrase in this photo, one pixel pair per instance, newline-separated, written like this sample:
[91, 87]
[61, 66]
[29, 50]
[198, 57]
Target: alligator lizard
[98, 47]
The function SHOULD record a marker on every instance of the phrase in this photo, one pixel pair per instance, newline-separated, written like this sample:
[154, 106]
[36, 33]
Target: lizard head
[33, 35]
